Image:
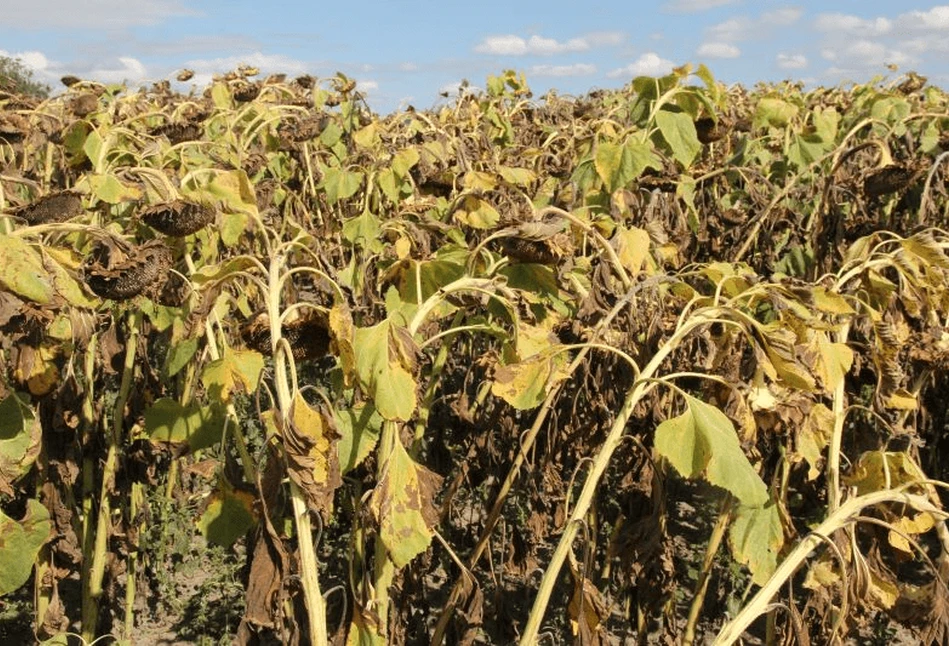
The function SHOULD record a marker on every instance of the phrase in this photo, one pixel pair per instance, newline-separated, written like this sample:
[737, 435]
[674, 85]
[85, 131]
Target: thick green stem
[701, 586]
[132, 562]
[315, 604]
[93, 584]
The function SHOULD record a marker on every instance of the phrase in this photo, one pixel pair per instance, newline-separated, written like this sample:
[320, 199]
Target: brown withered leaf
[470, 617]
[587, 611]
[312, 460]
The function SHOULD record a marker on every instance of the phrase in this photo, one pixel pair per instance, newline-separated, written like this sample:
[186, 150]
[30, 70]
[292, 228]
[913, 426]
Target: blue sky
[407, 51]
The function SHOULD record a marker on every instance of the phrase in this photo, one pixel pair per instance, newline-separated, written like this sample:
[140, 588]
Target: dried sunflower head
[55, 207]
[178, 218]
[119, 272]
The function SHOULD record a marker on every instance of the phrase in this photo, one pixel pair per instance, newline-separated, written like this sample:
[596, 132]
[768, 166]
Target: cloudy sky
[407, 51]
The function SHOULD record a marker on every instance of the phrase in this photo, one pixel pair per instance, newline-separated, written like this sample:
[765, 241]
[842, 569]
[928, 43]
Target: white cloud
[206, 68]
[511, 45]
[648, 64]
[841, 23]
[748, 28]
[865, 55]
[408, 67]
[926, 45]
[101, 14]
[936, 18]
[691, 6]
[367, 85]
[129, 69]
[577, 69]
[718, 50]
[792, 61]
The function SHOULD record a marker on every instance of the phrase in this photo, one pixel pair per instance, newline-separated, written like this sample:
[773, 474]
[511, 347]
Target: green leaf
[826, 121]
[232, 228]
[678, 130]
[92, 147]
[20, 542]
[228, 516]
[774, 112]
[381, 373]
[617, 165]
[389, 184]
[890, 109]
[231, 188]
[20, 437]
[367, 136]
[756, 538]
[403, 503]
[476, 213]
[179, 355]
[363, 230]
[403, 161]
[109, 189]
[517, 176]
[22, 271]
[833, 362]
[236, 369]
[430, 275]
[198, 426]
[702, 442]
[221, 96]
[222, 270]
[331, 134]
[525, 384]
[359, 428]
[340, 184]
[533, 279]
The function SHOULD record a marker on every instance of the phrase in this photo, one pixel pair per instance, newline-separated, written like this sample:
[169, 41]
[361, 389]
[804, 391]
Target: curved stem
[843, 516]
[600, 462]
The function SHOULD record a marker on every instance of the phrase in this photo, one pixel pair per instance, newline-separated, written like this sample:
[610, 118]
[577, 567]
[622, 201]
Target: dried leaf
[403, 504]
[312, 459]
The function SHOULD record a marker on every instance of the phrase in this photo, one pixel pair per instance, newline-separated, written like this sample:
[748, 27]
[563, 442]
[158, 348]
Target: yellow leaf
[834, 361]
[919, 524]
[830, 302]
[403, 247]
[883, 592]
[312, 460]
[821, 575]
[632, 248]
[403, 504]
[902, 399]
[477, 180]
[814, 436]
